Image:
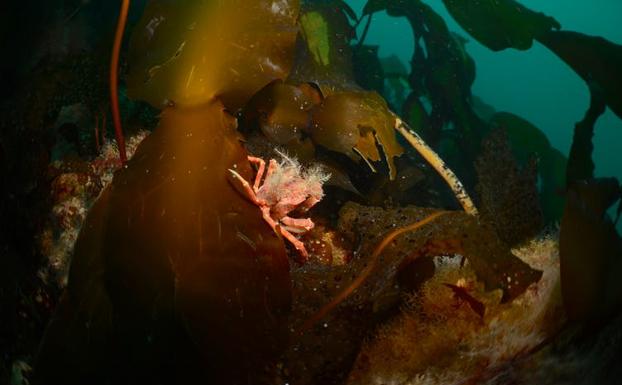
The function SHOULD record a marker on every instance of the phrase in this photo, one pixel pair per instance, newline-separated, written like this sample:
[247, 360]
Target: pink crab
[285, 188]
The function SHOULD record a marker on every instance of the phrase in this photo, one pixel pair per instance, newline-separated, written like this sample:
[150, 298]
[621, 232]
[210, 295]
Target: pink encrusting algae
[73, 192]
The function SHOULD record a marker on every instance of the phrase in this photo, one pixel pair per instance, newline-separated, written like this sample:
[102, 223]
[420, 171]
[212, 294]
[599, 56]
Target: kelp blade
[191, 51]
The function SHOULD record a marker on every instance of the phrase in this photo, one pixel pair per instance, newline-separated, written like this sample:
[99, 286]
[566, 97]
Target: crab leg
[296, 242]
[296, 225]
[261, 166]
[271, 167]
[265, 211]
[250, 193]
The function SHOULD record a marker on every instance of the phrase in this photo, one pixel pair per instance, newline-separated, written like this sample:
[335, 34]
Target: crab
[285, 188]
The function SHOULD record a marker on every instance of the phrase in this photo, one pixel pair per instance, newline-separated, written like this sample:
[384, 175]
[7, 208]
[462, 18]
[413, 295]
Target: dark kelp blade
[453, 233]
[590, 252]
[443, 72]
[323, 53]
[187, 264]
[500, 24]
[580, 163]
[282, 111]
[357, 123]
[598, 61]
[189, 52]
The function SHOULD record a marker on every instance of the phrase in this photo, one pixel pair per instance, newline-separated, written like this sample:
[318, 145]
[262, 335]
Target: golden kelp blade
[172, 246]
[357, 122]
[188, 52]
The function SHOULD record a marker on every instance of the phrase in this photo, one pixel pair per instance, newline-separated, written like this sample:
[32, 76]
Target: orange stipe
[368, 270]
[114, 79]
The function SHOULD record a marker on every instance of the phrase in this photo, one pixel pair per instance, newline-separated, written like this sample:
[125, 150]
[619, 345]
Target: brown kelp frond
[515, 26]
[595, 59]
[358, 124]
[590, 252]
[373, 262]
[439, 339]
[188, 54]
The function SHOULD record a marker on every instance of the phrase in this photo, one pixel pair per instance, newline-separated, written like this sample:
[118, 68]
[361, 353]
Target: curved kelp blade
[187, 266]
[500, 24]
[368, 71]
[443, 73]
[357, 124]
[598, 61]
[580, 163]
[590, 252]
[282, 111]
[191, 51]
[455, 233]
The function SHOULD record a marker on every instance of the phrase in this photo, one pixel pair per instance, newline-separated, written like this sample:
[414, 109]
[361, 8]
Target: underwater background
[311, 192]
[534, 84]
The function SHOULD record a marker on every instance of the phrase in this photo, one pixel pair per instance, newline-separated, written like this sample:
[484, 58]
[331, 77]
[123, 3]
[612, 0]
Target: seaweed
[590, 252]
[190, 54]
[157, 289]
[501, 24]
[357, 123]
[528, 142]
[335, 307]
[452, 233]
[595, 59]
[441, 107]
[580, 163]
[442, 75]
[323, 54]
[282, 111]
[508, 195]
[172, 254]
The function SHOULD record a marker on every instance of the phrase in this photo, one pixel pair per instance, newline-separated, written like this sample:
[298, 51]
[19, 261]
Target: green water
[534, 84]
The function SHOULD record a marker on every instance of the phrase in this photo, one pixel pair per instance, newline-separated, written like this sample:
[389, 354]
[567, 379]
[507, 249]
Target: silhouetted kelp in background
[439, 64]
